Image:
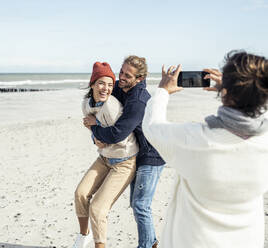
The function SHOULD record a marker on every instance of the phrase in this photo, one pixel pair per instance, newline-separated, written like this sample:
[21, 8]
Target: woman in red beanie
[112, 171]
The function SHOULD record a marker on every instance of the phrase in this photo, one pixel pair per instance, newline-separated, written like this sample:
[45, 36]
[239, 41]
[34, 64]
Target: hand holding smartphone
[193, 79]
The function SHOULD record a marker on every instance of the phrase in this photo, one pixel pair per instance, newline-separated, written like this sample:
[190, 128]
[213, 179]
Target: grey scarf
[237, 122]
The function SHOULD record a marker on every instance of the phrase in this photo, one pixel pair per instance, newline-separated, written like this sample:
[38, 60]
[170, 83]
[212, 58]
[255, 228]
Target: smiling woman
[113, 170]
[102, 89]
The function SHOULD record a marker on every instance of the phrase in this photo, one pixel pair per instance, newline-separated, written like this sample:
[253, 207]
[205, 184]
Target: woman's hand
[99, 143]
[216, 76]
[170, 78]
[89, 121]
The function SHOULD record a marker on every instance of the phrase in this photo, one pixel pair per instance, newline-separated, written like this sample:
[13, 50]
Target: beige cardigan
[108, 114]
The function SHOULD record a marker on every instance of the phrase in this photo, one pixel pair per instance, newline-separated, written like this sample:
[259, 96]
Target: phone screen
[193, 79]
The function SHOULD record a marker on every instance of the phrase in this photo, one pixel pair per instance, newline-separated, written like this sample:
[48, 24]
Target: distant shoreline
[8, 90]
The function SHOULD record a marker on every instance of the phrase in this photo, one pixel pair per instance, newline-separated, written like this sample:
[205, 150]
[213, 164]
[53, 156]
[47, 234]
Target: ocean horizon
[52, 81]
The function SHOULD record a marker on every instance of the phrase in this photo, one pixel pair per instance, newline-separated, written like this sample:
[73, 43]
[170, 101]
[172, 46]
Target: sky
[69, 36]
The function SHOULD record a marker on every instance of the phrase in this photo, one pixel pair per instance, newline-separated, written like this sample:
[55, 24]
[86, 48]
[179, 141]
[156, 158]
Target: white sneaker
[83, 241]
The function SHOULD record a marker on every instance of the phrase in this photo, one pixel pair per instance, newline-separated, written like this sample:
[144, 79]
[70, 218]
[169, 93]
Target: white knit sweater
[218, 202]
[108, 114]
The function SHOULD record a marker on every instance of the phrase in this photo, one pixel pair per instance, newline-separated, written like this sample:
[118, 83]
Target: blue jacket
[134, 103]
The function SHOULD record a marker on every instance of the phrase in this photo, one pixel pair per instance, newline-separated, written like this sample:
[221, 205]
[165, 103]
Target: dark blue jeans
[142, 191]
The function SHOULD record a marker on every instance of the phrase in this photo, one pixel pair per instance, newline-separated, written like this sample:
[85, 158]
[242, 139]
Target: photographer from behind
[222, 163]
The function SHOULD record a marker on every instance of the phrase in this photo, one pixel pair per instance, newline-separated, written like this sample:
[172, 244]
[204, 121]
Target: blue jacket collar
[140, 85]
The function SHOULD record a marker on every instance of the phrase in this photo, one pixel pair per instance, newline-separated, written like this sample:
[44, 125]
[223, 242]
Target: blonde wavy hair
[139, 63]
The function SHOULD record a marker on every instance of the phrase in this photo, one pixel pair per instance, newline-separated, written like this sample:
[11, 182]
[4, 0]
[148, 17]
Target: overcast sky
[69, 36]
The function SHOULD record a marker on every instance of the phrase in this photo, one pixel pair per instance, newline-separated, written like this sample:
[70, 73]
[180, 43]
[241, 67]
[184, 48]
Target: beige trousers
[100, 187]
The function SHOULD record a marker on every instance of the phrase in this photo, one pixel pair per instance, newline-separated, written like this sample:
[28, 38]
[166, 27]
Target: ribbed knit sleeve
[168, 138]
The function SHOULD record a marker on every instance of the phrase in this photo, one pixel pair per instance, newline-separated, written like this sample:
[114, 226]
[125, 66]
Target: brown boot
[155, 244]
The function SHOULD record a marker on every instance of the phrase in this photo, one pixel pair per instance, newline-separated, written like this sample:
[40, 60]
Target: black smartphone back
[193, 79]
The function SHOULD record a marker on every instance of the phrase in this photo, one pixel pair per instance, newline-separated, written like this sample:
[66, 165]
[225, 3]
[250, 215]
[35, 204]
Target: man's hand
[170, 78]
[89, 121]
[99, 143]
[216, 76]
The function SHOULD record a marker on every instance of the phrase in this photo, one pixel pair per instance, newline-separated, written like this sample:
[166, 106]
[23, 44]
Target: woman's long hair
[89, 94]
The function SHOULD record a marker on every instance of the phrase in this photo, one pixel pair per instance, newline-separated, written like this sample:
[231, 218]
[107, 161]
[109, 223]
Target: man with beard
[131, 91]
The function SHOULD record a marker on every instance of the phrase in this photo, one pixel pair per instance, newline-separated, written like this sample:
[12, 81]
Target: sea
[52, 81]
[30, 97]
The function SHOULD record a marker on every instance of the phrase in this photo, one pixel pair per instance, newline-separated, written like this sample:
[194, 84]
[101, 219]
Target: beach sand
[44, 152]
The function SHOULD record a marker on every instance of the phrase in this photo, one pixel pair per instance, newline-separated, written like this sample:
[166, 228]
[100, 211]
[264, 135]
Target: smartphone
[193, 79]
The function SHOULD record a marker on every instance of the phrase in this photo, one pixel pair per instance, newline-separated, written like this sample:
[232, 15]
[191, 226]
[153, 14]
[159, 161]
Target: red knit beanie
[101, 70]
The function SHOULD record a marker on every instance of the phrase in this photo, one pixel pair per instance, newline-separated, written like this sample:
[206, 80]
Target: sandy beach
[44, 152]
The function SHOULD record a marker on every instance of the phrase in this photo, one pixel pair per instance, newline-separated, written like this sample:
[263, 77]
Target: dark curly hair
[245, 77]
